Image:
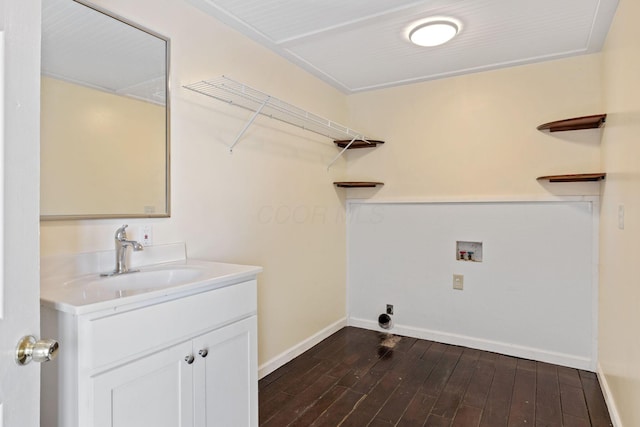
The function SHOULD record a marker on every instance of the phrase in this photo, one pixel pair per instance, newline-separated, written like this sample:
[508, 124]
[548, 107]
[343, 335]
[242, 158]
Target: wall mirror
[104, 116]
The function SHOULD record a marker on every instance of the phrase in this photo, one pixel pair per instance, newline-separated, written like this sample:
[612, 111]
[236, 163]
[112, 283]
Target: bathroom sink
[148, 279]
[137, 282]
[92, 292]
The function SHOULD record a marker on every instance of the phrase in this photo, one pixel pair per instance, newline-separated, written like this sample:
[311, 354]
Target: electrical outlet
[389, 308]
[147, 235]
[458, 282]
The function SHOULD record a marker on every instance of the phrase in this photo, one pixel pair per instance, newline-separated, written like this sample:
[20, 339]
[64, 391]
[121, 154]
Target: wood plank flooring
[358, 377]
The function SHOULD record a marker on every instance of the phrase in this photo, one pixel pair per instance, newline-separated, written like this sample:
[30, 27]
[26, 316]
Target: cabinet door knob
[189, 359]
[204, 352]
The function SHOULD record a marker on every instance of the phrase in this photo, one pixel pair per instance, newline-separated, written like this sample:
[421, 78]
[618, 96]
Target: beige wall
[101, 152]
[475, 135]
[270, 203]
[619, 268]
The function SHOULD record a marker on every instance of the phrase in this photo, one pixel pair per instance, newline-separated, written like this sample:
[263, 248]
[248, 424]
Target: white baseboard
[524, 352]
[295, 351]
[608, 398]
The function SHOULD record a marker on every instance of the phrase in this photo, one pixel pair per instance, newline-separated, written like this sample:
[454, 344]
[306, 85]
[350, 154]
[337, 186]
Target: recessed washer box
[469, 251]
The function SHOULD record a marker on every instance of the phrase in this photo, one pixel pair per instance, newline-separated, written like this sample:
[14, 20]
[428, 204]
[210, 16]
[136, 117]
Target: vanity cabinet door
[226, 378]
[156, 390]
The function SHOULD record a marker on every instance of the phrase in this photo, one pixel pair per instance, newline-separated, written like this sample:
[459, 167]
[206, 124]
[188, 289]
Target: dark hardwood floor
[358, 377]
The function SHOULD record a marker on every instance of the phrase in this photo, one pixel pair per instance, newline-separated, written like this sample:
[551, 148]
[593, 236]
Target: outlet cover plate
[458, 282]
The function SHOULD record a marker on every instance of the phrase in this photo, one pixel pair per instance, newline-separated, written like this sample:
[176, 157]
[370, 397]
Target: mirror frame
[167, 212]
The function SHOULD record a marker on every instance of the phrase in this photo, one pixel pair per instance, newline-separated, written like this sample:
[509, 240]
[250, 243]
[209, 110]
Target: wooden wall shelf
[577, 123]
[581, 177]
[370, 143]
[357, 184]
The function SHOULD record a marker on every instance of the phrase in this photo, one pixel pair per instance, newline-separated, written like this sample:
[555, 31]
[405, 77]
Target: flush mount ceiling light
[434, 32]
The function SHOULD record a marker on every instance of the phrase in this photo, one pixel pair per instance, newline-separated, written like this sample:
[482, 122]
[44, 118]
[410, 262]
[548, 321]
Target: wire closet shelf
[234, 93]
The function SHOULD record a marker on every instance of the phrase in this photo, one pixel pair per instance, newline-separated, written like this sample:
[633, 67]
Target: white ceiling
[83, 46]
[359, 45]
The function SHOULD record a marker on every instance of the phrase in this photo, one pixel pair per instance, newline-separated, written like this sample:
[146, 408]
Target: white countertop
[90, 292]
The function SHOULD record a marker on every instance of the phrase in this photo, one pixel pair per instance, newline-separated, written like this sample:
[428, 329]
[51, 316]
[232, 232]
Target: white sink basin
[148, 279]
[92, 292]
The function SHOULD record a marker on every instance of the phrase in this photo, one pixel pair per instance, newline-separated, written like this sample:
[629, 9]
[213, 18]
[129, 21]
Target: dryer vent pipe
[384, 321]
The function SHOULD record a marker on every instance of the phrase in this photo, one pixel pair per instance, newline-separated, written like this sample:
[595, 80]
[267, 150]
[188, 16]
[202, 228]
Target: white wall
[533, 295]
[619, 271]
[270, 203]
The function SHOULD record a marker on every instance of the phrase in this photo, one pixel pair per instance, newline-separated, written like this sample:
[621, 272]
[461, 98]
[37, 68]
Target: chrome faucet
[121, 251]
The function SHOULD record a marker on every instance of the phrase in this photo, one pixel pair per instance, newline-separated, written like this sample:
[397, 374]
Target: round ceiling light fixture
[434, 32]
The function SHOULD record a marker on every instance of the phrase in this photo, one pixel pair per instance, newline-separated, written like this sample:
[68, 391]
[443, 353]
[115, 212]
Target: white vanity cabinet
[156, 390]
[203, 382]
[176, 360]
[226, 392]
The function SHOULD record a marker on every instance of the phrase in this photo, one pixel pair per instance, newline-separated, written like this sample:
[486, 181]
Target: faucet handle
[121, 233]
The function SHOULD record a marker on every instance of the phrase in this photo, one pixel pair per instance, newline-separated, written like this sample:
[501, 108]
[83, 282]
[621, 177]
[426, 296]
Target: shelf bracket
[346, 147]
[249, 123]
[238, 94]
